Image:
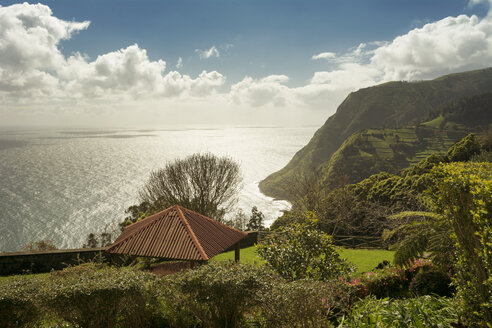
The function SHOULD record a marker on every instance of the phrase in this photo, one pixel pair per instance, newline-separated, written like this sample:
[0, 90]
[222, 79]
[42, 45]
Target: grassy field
[364, 259]
[248, 255]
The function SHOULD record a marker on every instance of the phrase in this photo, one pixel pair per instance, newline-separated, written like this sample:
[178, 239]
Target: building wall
[37, 262]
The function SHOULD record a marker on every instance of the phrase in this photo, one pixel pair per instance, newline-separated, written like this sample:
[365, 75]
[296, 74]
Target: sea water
[61, 185]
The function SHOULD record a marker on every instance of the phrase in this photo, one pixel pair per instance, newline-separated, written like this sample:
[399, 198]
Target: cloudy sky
[124, 63]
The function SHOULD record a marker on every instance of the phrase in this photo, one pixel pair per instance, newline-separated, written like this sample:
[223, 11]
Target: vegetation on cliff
[387, 128]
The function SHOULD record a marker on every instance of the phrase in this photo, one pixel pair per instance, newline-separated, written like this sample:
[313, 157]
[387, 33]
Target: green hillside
[391, 108]
[391, 150]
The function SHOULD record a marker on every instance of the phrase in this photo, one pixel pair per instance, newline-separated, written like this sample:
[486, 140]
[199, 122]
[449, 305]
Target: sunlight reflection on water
[62, 185]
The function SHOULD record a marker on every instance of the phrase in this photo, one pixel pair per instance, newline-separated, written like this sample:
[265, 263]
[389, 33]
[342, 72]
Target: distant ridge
[392, 105]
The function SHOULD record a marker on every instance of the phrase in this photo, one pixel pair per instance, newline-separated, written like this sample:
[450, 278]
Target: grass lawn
[248, 255]
[364, 259]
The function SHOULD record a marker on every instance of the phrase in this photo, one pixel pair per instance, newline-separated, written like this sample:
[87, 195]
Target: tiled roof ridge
[212, 220]
[190, 232]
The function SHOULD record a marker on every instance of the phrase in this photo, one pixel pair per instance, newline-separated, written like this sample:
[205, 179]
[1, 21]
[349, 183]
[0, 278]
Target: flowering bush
[390, 281]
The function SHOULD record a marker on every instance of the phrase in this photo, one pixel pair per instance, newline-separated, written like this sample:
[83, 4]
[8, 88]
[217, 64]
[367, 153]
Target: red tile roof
[176, 233]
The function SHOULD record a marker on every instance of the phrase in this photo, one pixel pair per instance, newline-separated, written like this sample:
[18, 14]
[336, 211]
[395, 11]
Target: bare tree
[205, 183]
[308, 191]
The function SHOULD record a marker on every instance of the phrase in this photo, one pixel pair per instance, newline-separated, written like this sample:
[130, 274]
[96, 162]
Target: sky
[129, 63]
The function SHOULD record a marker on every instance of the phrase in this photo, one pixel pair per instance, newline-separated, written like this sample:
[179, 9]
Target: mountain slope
[389, 105]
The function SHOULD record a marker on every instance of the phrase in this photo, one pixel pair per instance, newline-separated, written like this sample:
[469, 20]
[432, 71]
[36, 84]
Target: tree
[40, 246]
[204, 183]
[95, 240]
[239, 221]
[301, 251]
[256, 220]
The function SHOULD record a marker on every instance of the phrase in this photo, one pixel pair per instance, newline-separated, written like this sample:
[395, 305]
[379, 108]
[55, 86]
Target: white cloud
[29, 54]
[472, 3]
[32, 66]
[127, 71]
[179, 64]
[442, 47]
[269, 90]
[324, 55]
[176, 84]
[209, 53]
[445, 46]
[33, 70]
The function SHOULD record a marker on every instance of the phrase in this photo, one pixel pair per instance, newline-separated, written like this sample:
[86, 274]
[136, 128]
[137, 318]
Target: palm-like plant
[418, 233]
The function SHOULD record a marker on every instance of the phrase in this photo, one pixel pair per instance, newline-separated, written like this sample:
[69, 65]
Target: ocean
[61, 185]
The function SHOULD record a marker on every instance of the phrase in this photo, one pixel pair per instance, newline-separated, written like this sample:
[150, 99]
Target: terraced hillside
[391, 105]
[391, 150]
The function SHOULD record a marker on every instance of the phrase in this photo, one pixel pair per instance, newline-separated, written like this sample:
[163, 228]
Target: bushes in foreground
[304, 303]
[425, 311]
[88, 296]
[215, 295]
[18, 306]
[82, 296]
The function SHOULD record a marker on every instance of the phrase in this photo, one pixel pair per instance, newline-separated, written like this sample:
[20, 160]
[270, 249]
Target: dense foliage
[216, 295]
[300, 251]
[464, 197]
[18, 303]
[425, 311]
[439, 206]
[301, 303]
[364, 209]
[83, 296]
[87, 296]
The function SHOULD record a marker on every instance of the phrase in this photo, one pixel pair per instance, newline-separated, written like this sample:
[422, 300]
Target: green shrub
[300, 303]
[300, 251]
[431, 282]
[217, 294]
[464, 196]
[425, 311]
[18, 302]
[464, 149]
[88, 296]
